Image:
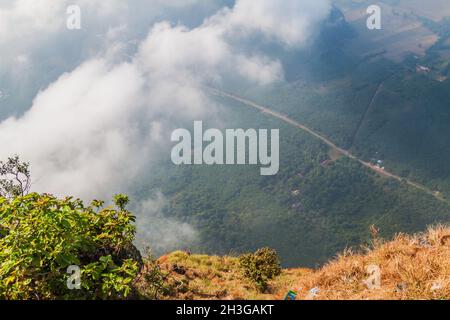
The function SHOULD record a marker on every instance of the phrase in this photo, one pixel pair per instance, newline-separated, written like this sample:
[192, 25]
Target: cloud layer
[100, 127]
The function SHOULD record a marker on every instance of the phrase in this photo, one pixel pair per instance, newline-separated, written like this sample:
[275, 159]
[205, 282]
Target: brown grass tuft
[411, 267]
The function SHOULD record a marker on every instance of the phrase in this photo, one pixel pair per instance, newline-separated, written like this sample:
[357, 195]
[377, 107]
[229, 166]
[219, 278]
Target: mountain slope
[411, 267]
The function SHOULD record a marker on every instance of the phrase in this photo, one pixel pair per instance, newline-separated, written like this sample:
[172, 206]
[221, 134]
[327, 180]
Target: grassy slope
[412, 267]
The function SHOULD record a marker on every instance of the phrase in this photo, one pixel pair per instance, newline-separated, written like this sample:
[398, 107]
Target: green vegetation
[41, 236]
[313, 208]
[307, 212]
[260, 267]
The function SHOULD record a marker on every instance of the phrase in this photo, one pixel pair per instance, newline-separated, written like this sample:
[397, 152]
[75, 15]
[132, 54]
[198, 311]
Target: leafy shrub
[41, 236]
[261, 266]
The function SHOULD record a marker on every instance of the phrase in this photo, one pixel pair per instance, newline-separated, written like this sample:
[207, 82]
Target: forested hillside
[386, 111]
[310, 210]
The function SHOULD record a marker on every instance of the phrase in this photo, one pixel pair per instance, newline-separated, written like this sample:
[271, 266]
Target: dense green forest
[372, 106]
[307, 212]
[376, 108]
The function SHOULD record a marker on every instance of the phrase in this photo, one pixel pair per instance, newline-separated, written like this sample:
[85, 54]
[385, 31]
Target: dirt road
[346, 153]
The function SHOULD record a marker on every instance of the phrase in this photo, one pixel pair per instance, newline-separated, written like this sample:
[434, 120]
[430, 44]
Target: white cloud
[37, 29]
[98, 129]
[80, 130]
[28, 22]
[202, 54]
[290, 22]
[166, 234]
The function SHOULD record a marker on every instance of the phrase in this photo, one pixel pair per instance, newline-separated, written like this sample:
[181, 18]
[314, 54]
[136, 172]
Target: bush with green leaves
[261, 266]
[41, 236]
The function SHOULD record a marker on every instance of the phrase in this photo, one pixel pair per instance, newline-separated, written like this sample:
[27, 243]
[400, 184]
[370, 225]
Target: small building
[379, 164]
[422, 69]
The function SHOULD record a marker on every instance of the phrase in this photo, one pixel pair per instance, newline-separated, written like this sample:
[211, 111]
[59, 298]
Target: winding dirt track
[346, 153]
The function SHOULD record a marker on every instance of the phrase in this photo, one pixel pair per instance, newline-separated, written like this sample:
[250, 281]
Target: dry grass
[212, 277]
[411, 267]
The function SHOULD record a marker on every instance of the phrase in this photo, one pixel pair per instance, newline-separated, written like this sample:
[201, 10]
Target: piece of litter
[436, 286]
[291, 295]
[313, 293]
